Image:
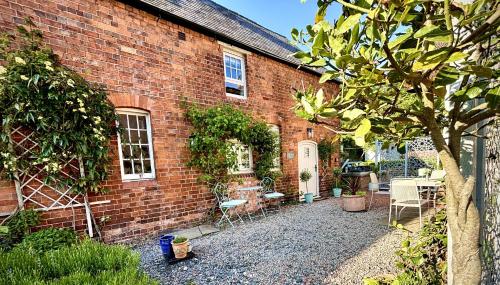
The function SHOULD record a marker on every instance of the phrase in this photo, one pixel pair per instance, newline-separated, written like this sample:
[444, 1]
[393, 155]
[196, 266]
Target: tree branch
[393, 61]
[467, 122]
[479, 31]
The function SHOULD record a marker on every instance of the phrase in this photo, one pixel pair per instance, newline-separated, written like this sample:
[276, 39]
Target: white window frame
[143, 176]
[238, 145]
[241, 57]
[277, 161]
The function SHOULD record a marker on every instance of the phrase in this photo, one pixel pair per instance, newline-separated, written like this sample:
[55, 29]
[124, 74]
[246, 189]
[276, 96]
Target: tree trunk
[463, 217]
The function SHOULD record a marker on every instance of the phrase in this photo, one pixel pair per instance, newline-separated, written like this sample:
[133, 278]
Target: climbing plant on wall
[68, 116]
[213, 139]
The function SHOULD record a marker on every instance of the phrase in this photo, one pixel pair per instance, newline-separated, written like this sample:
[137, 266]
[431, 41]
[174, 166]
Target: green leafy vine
[70, 119]
[212, 142]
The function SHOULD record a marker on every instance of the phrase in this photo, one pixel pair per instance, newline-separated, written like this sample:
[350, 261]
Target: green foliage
[17, 227]
[337, 171]
[212, 142]
[69, 117]
[86, 263]
[422, 259]
[351, 185]
[180, 239]
[325, 150]
[48, 239]
[394, 61]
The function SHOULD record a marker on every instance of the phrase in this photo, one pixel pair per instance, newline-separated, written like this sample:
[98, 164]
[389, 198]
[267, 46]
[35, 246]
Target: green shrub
[49, 239]
[422, 259]
[17, 227]
[86, 263]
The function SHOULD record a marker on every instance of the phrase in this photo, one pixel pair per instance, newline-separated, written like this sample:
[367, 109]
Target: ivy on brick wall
[212, 141]
[68, 117]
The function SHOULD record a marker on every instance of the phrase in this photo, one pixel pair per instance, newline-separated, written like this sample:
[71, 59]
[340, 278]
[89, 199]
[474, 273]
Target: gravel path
[304, 244]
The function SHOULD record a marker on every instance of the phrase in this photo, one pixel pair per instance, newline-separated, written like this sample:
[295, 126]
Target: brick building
[151, 55]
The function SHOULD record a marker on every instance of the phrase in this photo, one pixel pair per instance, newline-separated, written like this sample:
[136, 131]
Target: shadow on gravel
[304, 244]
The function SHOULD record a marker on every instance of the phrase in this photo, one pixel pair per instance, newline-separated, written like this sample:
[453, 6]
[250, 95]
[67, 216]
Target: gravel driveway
[304, 244]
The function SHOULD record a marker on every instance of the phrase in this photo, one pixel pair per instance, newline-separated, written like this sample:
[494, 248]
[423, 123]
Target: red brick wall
[144, 65]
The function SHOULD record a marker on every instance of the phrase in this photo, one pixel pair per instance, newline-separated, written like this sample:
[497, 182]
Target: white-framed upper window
[277, 160]
[234, 73]
[244, 158]
[135, 146]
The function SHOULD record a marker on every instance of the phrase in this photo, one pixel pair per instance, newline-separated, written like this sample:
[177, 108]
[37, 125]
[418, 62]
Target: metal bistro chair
[404, 193]
[268, 193]
[226, 203]
[374, 186]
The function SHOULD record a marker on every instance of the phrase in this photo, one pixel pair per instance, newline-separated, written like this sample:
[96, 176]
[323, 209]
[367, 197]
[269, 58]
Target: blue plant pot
[337, 192]
[166, 246]
[308, 197]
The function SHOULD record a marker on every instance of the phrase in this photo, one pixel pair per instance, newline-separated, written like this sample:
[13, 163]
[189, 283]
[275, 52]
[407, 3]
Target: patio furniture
[438, 175]
[374, 186]
[404, 193]
[257, 189]
[226, 203]
[429, 187]
[268, 192]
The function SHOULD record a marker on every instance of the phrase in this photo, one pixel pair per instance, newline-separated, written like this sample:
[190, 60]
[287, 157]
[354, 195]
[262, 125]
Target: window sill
[236, 96]
[143, 182]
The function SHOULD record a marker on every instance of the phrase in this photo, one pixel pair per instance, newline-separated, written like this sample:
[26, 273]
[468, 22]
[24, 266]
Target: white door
[308, 159]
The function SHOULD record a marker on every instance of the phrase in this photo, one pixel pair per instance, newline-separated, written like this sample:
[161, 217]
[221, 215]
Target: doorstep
[196, 232]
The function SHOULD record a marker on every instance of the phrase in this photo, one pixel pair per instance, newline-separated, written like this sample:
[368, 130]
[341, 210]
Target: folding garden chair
[404, 193]
[374, 186]
[226, 203]
[268, 193]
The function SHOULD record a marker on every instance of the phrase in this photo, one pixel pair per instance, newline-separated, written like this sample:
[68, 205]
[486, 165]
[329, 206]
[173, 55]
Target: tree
[408, 68]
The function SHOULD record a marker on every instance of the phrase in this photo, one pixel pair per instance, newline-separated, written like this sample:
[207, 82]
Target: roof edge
[155, 11]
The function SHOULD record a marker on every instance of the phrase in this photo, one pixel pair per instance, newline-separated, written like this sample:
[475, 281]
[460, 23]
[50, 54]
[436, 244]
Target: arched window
[135, 146]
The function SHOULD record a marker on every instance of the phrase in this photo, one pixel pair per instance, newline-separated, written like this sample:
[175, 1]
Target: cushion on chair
[274, 195]
[233, 203]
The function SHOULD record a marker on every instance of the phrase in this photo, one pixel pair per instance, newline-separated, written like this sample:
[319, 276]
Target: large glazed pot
[353, 203]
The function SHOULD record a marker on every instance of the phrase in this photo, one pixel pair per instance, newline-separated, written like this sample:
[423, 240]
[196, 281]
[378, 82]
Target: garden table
[250, 189]
[429, 185]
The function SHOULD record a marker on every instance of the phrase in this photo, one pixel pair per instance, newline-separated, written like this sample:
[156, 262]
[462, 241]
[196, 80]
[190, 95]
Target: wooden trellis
[30, 181]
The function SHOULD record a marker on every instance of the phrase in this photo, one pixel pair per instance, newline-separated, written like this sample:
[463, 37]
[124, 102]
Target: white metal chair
[438, 175]
[404, 193]
[226, 203]
[268, 193]
[374, 186]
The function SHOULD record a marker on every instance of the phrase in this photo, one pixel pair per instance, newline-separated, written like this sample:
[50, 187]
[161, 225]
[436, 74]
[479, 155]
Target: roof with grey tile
[230, 25]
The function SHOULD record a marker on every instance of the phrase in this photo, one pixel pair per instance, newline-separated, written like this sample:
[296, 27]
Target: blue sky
[278, 15]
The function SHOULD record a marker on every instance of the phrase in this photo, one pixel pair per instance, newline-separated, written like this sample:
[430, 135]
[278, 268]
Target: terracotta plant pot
[353, 203]
[180, 249]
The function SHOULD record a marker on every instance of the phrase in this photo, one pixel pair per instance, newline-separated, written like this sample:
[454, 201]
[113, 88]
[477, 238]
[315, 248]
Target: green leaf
[363, 129]
[481, 71]
[307, 107]
[493, 97]
[425, 30]
[348, 24]
[336, 44]
[318, 63]
[4, 230]
[353, 114]
[350, 93]
[318, 100]
[318, 42]
[327, 75]
[401, 39]
[354, 37]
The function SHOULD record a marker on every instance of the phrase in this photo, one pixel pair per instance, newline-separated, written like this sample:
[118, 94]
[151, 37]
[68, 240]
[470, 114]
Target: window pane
[132, 121]
[235, 89]
[228, 72]
[127, 166]
[238, 64]
[143, 137]
[123, 121]
[233, 63]
[239, 75]
[147, 166]
[226, 58]
[142, 122]
[137, 166]
[134, 136]
[145, 151]
[233, 73]
[126, 151]
[136, 152]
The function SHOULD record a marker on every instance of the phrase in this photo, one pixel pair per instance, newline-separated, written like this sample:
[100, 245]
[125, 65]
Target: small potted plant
[353, 200]
[336, 190]
[305, 176]
[180, 245]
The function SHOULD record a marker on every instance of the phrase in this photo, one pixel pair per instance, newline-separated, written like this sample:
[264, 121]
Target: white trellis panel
[420, 153]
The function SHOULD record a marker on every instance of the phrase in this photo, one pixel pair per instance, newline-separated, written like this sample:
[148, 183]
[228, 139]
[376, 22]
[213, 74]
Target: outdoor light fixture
[310, 133]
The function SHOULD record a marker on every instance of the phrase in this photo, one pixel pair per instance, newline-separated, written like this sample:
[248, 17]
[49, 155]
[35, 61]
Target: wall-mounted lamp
[310, 133]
